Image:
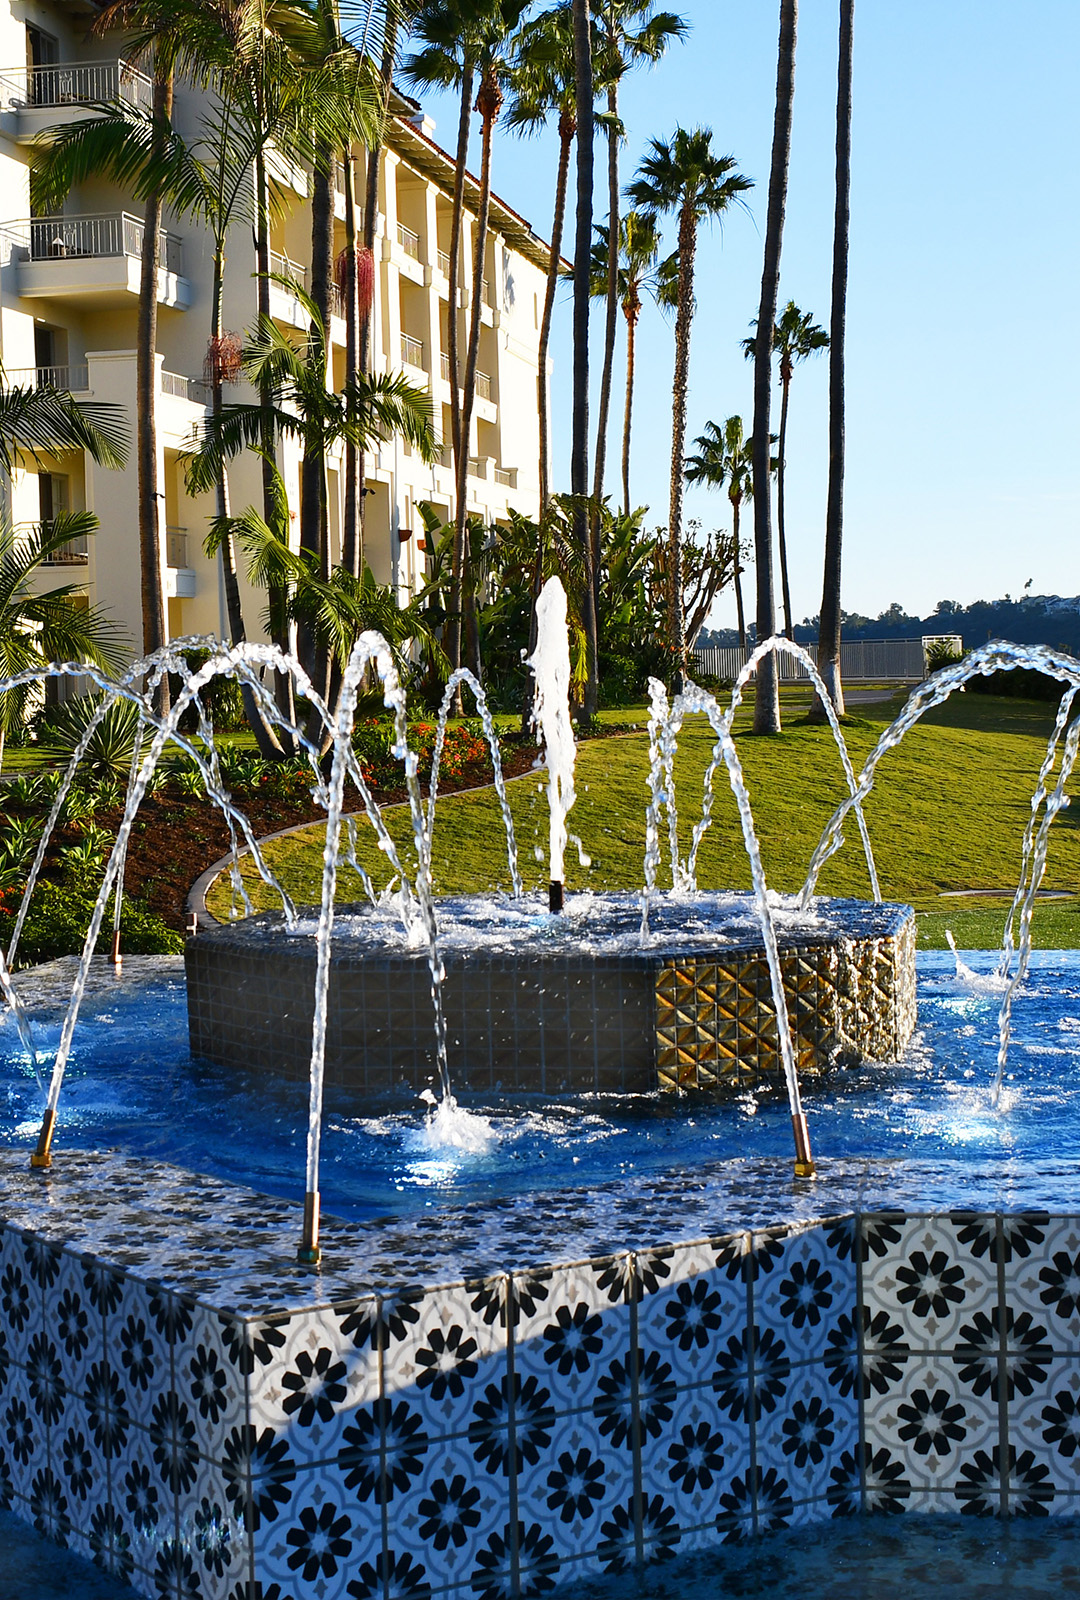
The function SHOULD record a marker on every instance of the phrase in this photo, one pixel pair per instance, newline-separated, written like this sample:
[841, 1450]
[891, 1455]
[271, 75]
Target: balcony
[72, 379]
[74, 553]
[483, 379]
[409, 241]
[181, 388]
[95, 256]
[179, 577]
[412, 351]
[443, 258]
[49, 97]
[507, 476]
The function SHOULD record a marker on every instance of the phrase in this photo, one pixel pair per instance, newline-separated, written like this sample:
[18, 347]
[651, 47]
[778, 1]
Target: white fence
[861, 661]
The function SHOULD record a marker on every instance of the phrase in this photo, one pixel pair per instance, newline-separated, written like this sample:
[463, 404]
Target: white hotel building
[68, 307]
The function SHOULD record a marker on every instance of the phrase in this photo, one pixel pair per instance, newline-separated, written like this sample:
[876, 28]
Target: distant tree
[726, 457]
[795, 337]
[686, 177]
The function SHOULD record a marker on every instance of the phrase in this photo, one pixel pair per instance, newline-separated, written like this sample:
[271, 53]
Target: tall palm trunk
[457, 555]
[683, 322]
[314, 518]
[371, 212]
[781, 534]
[767, 697]
[567, 129]
[612, 301]
[631, 310]
[828, 654]
[579, 456]
[350, 529]
[153, 599]
[736, 506]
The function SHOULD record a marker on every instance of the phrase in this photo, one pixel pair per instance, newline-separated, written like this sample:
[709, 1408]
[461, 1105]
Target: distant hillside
[1035, 619]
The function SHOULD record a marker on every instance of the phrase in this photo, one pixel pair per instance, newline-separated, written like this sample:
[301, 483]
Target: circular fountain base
[557, 1005]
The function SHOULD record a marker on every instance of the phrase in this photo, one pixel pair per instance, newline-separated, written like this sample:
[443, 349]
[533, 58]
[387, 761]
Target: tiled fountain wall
[555, 1021]
[204, 1419]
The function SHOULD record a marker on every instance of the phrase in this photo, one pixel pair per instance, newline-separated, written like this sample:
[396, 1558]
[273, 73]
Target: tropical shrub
[59, 915]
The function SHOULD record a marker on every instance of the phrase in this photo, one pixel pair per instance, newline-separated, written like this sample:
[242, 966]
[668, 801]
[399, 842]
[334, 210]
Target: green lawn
[948, 813]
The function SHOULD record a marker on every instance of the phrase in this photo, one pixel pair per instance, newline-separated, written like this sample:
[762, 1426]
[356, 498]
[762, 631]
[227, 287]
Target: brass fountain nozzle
[309, 1253]
[804, 1160]
[555, 895]
[41, 1157]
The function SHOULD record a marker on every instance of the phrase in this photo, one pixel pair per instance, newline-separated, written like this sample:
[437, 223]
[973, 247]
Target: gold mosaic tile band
[849, 1001]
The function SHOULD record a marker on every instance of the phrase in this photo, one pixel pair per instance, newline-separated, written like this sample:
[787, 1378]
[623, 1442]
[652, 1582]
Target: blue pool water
[132, 1083]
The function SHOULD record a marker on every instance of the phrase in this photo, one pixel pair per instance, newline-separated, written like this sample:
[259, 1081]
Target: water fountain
[498, 1397]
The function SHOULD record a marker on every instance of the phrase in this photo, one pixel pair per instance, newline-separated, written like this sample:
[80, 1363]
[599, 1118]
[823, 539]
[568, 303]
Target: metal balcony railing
[412, 350]
[193, 389]
[483, 386]
[74, 379]
[176, 547]
[443, 257]
[115, 233]
[73, 553]
[282, 267]
[75, 83]
[409, 241]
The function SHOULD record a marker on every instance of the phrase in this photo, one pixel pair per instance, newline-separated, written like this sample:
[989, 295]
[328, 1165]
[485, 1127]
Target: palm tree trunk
[371, 211]
[488, 103]
[767, 696]
[350, 528]
[284, 692]
[612, 304]
[567, 128]
[683, 321]
[314, 519]
[780, 529]
[579, 456]
[828, 653]
[153, 599]
[632, 311]
[739, 609]
[457, 556]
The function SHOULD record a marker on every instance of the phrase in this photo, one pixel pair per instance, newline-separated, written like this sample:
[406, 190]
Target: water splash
[448, 1126]
[550, 663]
[463, 675]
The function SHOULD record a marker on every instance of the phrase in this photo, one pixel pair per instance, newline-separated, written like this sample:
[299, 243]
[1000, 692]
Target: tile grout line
[1003, 1368]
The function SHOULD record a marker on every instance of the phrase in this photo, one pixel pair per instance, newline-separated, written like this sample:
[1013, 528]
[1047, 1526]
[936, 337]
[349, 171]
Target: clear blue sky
[962, 330]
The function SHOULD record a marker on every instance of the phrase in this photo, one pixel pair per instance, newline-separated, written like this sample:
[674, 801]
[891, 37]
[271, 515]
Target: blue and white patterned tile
[174, 1447]
[497, 1562]
[322, 1538]
[79, 1464]
[1044, 1429]
[932, 1424]
[207, 1366]
[23, 1433]
[570, 1324]
[688, 1309]
[396, 1570]
[809, 1434]
[809, 1293]
[44, 1383]
[304, 1391]
[51, 1510]
[1045, 1284]
[444, 1361]
[21, 1298]
[931, 1283]
[138, 1338]
[142, 1505]
[576, 1486]
[447, 1514]
[211, 1530]
[695, 1458]
[76, 1324]
[108, 1544]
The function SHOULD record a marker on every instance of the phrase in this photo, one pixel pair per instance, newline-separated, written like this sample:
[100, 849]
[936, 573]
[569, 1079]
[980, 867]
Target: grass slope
[947, 813]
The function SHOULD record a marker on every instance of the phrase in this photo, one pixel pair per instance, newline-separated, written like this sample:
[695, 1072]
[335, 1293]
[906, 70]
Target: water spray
[550, 663]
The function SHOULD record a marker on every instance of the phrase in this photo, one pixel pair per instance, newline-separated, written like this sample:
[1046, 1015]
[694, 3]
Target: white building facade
[69, 288]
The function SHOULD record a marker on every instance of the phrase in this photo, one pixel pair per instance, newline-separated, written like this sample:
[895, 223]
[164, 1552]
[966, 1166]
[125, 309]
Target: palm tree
[767, 694]
[796, 336]
[687, 177]
[629, 35]
[579, 449]
[463, 41]
[369, 408]
[828, 652]
[640, 272]
[36, 629]
[726, 456]
[46, 421]
[544, 84]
